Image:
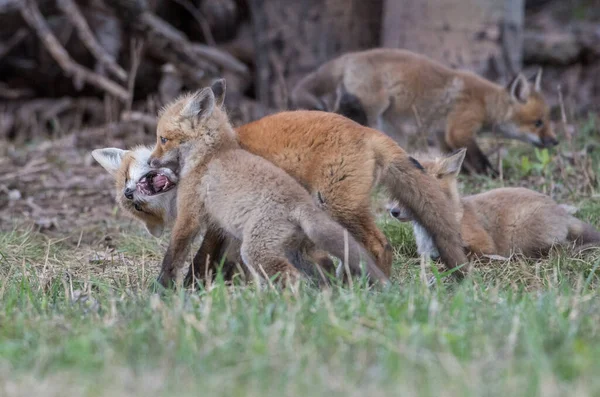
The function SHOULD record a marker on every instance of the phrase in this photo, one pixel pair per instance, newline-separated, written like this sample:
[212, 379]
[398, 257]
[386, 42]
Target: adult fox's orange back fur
[340, 162]
[384, 87]
[502, 221]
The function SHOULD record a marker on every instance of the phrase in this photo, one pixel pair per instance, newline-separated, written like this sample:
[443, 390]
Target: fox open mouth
[154, 183]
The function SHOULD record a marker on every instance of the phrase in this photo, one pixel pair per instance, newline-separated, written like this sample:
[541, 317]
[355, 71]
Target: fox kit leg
[356, 217]
[265, 246]
[210, 253]
[460, 133]
[364, 229]
[183, 234]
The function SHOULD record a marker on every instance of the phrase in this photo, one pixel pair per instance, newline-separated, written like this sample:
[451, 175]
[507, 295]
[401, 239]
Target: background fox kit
[501, 221]
[246, 197]
[383, 87]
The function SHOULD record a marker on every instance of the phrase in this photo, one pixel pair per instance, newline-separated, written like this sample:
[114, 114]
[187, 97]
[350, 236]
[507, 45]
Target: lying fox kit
[242, 195]
[501, 221]
[384, 87]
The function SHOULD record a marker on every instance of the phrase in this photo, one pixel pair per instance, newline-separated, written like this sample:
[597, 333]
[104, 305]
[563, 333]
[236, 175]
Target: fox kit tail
[583, 233]
[329, 236]
[406, 180]
[322, 81]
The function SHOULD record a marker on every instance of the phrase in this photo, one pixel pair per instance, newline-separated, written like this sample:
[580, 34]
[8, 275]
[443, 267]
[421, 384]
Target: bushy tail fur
[329, 236]
[322, 81]
[407, 182]
[583, 233]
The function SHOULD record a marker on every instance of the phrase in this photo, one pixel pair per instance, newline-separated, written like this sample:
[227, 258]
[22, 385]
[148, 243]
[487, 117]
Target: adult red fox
[384, 87]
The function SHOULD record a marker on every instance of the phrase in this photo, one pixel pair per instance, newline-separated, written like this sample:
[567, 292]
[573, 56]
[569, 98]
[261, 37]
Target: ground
[79, 315]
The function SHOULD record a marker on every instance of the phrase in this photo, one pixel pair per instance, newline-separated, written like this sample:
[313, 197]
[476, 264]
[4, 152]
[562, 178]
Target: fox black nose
[129, 193]
[395, 212]
[154, 162]
[549, 141]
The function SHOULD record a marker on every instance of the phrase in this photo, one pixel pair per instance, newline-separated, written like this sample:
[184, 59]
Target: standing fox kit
[383, 87]
[501, 221]
[225, 188]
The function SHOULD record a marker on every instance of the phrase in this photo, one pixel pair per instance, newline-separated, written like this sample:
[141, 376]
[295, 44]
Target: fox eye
[163, 140]
[538, 123]
[137, 207]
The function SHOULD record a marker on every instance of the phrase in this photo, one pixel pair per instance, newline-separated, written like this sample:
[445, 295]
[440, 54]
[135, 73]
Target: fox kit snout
[501, 221]
[144, 192]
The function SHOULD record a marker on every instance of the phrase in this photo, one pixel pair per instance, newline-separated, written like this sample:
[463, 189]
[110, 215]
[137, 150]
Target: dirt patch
[56, 186]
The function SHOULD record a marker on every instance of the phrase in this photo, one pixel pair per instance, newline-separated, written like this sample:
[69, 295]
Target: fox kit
[340, 162]
[137, 183]
[225, 188]
[501, 221]
[383, 87]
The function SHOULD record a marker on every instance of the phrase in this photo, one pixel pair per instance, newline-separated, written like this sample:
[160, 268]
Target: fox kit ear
[109, 158]
[519, 89]
[537, 81]
[218, 88]
[200, 105]
[452, 164]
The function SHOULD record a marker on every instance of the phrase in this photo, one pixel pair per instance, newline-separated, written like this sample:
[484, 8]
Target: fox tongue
[159, 182]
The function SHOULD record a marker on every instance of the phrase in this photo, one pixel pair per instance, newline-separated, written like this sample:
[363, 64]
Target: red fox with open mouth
[142, 191]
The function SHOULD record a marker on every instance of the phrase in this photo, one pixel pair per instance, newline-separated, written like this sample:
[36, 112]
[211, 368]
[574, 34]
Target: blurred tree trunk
[485, 36]
[292, 38]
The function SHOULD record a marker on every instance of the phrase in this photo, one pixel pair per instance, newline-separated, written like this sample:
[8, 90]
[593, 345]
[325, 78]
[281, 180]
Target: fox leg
[183, 234]
[349, 204]
[368, 234]
[210, 253]
[461, 134]
[360, 223]
[269, 263]
[264, 249]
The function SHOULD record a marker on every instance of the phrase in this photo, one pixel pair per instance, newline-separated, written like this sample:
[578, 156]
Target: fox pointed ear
[519, 89]
[218, 88]
[452, 164]
[155, 229]
[109, 158]
[537, 81]
[200, 106]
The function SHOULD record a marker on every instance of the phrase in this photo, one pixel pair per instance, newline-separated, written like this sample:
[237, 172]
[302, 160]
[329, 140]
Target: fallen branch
[148, 120]
[34, 18]
[14, 93]
[74, 15]
[14, 41]
[202, 22]
[220, 58]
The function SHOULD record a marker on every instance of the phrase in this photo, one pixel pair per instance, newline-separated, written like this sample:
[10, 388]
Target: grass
[81, 319]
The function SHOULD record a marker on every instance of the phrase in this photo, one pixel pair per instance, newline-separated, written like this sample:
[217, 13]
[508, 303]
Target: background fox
[340, 162]
[384, 87]
[501, 221]
[226, 188]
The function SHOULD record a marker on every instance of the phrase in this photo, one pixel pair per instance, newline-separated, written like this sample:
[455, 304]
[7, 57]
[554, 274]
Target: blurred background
[76, 75]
